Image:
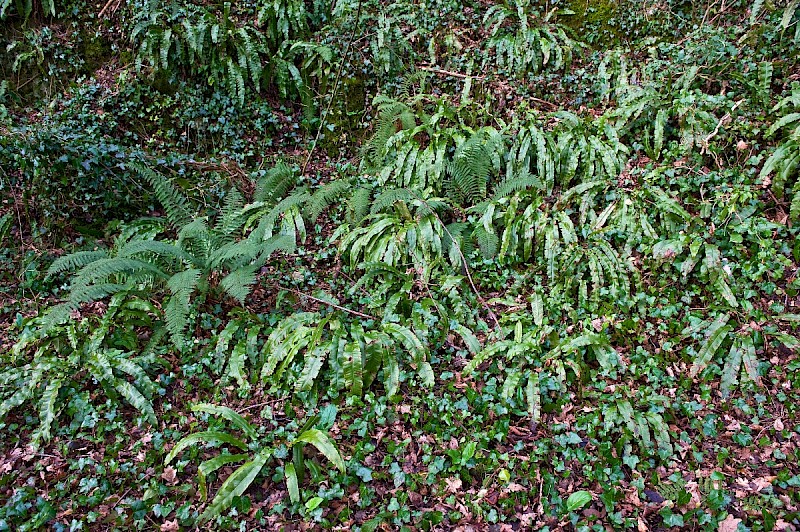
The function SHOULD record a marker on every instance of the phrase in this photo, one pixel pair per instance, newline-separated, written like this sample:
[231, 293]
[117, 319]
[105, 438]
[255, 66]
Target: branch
[463, 261]
[442, 72]
[334, 305]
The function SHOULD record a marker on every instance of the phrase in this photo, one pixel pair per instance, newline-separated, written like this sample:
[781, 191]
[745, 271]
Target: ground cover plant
[408, 265]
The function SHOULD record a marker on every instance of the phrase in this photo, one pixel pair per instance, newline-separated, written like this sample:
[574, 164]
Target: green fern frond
[389, 198]
[229, 219]
[123, 267]
[517, 183]
[325, 196]
[487, 241]
[75, 260]
[359, 204]
[171, 199]
[267, 220]
[238, 283]
[6, 220]
[277, 182]
[150, 249]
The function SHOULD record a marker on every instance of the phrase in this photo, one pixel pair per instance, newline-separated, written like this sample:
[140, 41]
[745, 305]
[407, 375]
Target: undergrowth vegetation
[399, 265]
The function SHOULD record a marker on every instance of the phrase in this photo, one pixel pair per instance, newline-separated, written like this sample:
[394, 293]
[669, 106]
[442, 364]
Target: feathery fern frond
[358, 206]
[174, 202]
[325, 196]
[75, 260]
[275, 184]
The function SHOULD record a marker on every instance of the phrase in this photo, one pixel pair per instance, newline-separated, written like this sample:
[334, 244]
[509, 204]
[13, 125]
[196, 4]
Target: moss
[95, 50]
[162, 82]
[345, 115]
[597, 18]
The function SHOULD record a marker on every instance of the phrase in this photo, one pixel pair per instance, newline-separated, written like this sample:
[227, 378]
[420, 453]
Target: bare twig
[443, 72]
[722, 121]
[463, 262]
[335, 87]
[108, 5]
[334, 305]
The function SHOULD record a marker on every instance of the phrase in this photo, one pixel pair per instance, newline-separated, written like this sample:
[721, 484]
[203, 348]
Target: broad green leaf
[415, 347]
[204, 437]
[228, 414]
[726, 291]
[717, 333]
[314, 503]
[136, 400]
[470, 340]
[320, 440]
[578, 500]
[537, 307]
[235, 485]
[291, 483]
[211, 465]
[47, 410]
[787, 340]
[511, 384]
[533, 393]
[353, 367]
[750, 360]
[731, 368]
[236, 364]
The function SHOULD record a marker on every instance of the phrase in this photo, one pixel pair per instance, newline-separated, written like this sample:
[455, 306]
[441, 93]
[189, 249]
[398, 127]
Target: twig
[108, 4]
[463, 261]
[265, 403]
[443, 72]
[724, 120]
[334, 305]
[335, 87]
[544, 102]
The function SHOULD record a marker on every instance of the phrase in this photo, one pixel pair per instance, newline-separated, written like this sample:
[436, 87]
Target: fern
[56, 357]
[325, 196]
[526, 45]
[174, 202]
[394, 240]
[355, 357]
[470, 167]
[535, 352]
[393, 116]
[258, 453]
[5, 227]
[785, 160]
[201, 42]
[654, 114]
[186, 266]
[358, 205]
[417, 155]
[737, 345]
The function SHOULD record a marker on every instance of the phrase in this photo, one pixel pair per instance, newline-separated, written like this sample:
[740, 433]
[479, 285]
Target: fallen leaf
[729, 524]
[453, 484]
[170, 476]
[169, 526]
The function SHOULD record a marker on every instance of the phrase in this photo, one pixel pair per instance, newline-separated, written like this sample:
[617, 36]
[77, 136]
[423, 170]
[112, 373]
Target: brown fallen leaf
[729, 524]
[453, 484]
[170, 526]
[170, 476]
